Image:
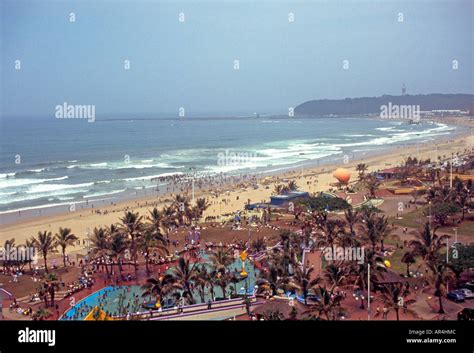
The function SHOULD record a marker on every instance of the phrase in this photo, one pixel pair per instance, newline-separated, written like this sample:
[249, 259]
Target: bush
[443, 210]
[321, 203]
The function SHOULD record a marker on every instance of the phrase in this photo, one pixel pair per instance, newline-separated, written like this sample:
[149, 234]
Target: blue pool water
[108, 299]
[129, 298]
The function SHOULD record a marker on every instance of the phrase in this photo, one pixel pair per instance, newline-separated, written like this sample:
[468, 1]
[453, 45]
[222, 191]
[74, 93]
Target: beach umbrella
[342, 175]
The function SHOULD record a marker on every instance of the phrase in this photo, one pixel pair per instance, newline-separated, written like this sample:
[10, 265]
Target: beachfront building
[388, 173]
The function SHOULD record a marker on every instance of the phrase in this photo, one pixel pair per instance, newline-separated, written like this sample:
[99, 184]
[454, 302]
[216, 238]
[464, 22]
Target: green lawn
[412, 219]
[396, 259]
[416, 219]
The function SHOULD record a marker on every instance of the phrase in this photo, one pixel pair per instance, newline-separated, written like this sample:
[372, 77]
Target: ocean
[59, 162]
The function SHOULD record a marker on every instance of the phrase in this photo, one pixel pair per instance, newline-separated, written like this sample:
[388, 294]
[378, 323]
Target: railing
[190, 310]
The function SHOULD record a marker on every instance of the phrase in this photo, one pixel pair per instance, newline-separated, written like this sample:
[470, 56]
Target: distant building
[443, 112]
[389, 173]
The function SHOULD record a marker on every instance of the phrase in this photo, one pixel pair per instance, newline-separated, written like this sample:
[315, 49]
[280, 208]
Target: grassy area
[416, 219]
[413, 219]
[465, 228]
[396, 259]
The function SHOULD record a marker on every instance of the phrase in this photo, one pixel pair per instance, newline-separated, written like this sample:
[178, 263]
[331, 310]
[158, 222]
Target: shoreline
[232, 197]
[22, 214]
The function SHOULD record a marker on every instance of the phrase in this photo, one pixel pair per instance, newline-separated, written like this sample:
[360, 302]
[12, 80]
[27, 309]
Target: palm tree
[234, 279]
[117, 245]
[100, 246]
[372, 184]
[292, 186]
[160, 288]
[352, 218]
[332, 230]
[185, 274]
[221, 279]
[64, 239]
[335, 274]
[29, 244]
[361, 168]
[383, 231]
[155, 218]
[45, 245]
[328, 306]
[182, 209]
[371, 227]
[441, 275]
[202, 204]
[393, 298]
[152, 240]
[440, 194]
[302, 282]
[286, 254]
[427, 244]
[408, 259]
[273, 279]
[202, 281]
[278, 189]
[132, 226]
[221, 259]
[463, 201]
[169, 218]
[359, 271]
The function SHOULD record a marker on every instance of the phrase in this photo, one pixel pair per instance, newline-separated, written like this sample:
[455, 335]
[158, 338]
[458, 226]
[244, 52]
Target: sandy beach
[311, 180]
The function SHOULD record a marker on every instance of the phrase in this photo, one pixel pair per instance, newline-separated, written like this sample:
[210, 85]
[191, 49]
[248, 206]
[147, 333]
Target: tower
[404, 89]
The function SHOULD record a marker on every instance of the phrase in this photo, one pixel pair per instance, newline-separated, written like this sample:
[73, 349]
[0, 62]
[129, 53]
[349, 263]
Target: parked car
[468, 294]
[469, 285]
[466, 314]
[456, 296]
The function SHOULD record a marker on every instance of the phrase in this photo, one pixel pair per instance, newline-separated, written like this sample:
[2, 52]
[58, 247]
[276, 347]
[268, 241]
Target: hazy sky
[191, 64]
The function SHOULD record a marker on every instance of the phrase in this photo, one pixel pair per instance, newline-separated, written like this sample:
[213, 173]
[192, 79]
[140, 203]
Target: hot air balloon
[342, 175]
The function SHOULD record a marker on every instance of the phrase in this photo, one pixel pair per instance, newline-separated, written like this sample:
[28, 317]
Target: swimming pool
[113, 300]
[122, 299]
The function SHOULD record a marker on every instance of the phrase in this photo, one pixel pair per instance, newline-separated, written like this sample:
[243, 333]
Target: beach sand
[312, 180]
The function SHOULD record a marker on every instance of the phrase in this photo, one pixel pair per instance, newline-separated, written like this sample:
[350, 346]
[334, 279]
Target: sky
[191, 64]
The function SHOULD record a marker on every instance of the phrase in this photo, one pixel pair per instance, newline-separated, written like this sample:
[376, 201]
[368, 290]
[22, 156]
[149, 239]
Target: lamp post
[447, 260]
[192, 181]
[451, 172]
[430, 214]
[368, 292]
[447, 250]
[418, 149]
[193, 189]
